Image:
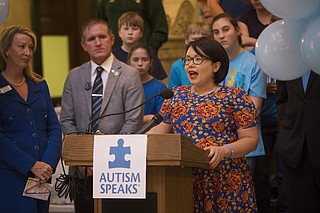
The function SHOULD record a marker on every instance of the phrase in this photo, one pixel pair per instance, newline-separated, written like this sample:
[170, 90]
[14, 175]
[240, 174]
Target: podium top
[162, 150]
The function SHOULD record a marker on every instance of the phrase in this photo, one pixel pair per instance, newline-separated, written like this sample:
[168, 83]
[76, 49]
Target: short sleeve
[245, 114]
[165, 111]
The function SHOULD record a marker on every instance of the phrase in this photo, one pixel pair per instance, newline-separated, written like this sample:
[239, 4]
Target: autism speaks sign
[119, 166]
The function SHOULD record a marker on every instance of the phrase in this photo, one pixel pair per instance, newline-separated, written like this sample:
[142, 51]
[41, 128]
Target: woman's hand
[42, 171]
[216, 154]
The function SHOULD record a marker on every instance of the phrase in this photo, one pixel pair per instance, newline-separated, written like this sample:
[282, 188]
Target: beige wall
[19, 14]
[180, 13]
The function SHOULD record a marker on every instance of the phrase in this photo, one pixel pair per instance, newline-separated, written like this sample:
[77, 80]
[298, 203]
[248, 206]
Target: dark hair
[144, 46]
[214, 51]
[91, 22]
[233, 22]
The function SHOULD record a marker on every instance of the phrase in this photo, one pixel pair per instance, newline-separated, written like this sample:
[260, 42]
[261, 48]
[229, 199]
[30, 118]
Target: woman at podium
[218, 119]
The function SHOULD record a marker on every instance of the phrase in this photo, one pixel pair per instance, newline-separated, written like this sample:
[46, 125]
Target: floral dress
[213, 120]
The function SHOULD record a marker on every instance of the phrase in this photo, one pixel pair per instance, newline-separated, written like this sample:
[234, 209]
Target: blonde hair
[131, 19]
[198, 28]
[6, 39]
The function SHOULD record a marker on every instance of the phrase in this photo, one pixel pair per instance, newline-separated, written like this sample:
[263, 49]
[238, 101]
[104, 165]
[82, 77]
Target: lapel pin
[87, 86]
[116, 73]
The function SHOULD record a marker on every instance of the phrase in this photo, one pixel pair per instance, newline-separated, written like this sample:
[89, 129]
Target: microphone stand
[116, 113]
[67, 185]
[155, 120]
[166, 94]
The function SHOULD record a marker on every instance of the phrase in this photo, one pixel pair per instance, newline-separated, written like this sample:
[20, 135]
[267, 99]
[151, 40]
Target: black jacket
[299, 120]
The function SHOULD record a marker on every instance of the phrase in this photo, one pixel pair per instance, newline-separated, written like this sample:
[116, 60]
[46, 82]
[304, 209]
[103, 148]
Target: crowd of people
[221, 100]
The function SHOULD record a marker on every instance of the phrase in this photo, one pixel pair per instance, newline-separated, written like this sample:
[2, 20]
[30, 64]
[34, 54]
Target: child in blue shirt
[130, 30]
[140, 57]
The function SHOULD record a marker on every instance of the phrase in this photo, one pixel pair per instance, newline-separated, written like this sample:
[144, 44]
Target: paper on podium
[33, 190]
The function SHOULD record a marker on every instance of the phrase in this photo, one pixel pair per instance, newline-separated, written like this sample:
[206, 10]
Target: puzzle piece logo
[119, 152]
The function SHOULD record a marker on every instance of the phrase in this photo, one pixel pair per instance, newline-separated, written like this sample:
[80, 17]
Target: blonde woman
[30, 134]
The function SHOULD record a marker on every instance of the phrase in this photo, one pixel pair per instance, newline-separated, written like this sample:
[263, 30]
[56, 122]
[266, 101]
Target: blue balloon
[4, 10]
[278, 50]
[310, 45]
[291, 9]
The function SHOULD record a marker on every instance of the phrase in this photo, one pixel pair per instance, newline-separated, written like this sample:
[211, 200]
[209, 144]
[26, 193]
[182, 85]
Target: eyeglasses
[197, 60]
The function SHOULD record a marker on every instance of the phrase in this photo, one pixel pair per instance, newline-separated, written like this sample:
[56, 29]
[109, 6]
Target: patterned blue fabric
[213, 120]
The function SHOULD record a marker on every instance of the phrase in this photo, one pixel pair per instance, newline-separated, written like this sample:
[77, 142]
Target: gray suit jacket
[123, 92]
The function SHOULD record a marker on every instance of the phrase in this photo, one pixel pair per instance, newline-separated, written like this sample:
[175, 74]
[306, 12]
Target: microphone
[166, 94]
[155, 120]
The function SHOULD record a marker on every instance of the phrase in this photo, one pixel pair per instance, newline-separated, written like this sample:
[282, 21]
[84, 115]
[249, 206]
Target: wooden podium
[170, 159]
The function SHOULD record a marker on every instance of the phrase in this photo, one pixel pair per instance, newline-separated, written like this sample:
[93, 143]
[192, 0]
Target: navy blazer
[29, 132]
[299, 117]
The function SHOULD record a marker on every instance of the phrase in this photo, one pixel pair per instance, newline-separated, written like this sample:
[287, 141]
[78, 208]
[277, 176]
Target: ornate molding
[183, 19]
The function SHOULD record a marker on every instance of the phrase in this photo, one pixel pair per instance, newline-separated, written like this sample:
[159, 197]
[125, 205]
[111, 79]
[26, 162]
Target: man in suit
[122, 90]
[298, 144]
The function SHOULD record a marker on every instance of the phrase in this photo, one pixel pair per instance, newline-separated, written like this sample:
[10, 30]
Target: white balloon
[4, 10]
[313, 16]
[278, 50]
[291, 9]
[310, 45]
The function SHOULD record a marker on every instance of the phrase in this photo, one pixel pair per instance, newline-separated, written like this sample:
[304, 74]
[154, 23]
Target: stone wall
[180, 13]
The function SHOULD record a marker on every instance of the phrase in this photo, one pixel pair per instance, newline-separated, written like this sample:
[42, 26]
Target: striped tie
[96, 99]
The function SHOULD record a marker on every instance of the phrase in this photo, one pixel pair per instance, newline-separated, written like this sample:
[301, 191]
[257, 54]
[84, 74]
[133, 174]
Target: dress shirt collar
[106, 65]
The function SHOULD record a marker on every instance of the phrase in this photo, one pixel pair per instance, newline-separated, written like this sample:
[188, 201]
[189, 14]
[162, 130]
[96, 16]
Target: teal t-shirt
[245, 73]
